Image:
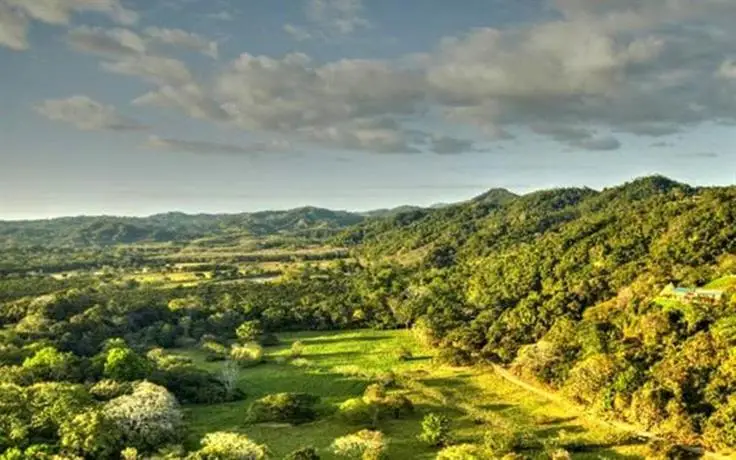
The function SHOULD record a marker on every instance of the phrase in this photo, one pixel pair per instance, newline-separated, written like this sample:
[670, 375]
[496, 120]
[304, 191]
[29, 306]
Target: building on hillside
[690, 295]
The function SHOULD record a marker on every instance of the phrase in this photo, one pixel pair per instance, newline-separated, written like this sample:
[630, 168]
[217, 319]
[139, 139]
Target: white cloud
[182, 38]
[597, 72]
[60, 11]
[86, 114]
[156, 69]
[727, 70]
[337, 16]
[299, 34]
[205, 147]
[13, 29]
[329, 19]
[111, 43]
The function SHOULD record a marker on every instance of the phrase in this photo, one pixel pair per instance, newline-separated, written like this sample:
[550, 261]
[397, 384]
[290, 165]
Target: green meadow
[338, 366]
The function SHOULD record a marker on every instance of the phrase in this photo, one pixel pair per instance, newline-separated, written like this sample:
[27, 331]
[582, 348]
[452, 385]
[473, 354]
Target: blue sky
[138, 107]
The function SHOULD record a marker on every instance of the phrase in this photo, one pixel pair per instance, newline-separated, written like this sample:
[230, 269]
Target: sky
[134, 107]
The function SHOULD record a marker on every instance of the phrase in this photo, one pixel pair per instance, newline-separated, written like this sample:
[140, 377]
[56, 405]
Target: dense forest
[561, 286]
[106, 230]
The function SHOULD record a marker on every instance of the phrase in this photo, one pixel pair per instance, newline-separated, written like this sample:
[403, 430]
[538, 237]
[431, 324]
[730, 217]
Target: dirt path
[557, 398]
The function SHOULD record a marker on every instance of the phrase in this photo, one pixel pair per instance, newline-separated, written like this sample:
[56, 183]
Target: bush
[297, 349]
[387, 380]
[364, 445]
[215, 351]
[249, 331]
[148, 418]
[435, 430]
[125, 365]
[461, 452]
[247, 355]
[191, 385]
[305, 453]
[229, 446]
[397, 406]
[374, 393]
[293, 408]
[89, 434]
[106, 389]
[356, 411]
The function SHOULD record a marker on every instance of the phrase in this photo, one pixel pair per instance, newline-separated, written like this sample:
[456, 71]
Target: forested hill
[563, 285]
[107, 230]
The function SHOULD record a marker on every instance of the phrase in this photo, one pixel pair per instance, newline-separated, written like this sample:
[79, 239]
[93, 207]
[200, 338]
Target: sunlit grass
[338, 366]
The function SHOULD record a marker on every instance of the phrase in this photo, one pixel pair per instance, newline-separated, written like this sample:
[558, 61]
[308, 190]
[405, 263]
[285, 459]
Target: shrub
[374, 393]
[192, 385]
[305, 453]
[461, 452]
[89, 434]
[297, 349]
[356, 411]
[284, 407]
[107, 389]
[147, 418]
[229, 446]
[215, 351]
[247, 355]
[397, 406]
[387, 380]
[435, 430]
[249, 331]
[126, 365]
[364, 445]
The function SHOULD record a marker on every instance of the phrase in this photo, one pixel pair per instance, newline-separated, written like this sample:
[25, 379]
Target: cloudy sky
[143, 106]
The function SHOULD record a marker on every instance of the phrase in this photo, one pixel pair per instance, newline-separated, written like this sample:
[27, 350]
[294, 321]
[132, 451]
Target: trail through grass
[338, 366]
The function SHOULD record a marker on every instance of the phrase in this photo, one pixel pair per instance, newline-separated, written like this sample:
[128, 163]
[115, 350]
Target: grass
[339, 365]
[725, 282]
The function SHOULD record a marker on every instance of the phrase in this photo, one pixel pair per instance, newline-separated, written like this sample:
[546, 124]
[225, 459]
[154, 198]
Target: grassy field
[338, 366]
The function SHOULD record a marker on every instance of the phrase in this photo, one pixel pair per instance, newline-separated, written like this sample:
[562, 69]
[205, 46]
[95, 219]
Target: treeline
[108, 230]
[562, 285]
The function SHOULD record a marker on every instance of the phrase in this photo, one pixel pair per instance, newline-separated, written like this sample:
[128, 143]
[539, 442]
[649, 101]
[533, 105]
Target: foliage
[461, 452]
[89, 434]
[435, 430]
[229, 446]
[305, 453]
[123, 364]
[147, 418]
[364, 445]
[284, 407]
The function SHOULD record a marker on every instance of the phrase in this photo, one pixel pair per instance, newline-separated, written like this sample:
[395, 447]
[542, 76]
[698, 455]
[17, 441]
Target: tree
[89, 434]
[363, 445]
[229, 446]
[124, 364]
[229, 377]
[249, 331]
[50, 364]
[435, 430]
[147, 418]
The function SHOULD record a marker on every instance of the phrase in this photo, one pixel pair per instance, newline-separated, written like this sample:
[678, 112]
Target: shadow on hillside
[496, 407]
[338, 338]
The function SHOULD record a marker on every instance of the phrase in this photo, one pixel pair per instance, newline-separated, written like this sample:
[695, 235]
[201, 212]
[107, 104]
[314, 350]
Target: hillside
[561, 285]
[110, 230]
